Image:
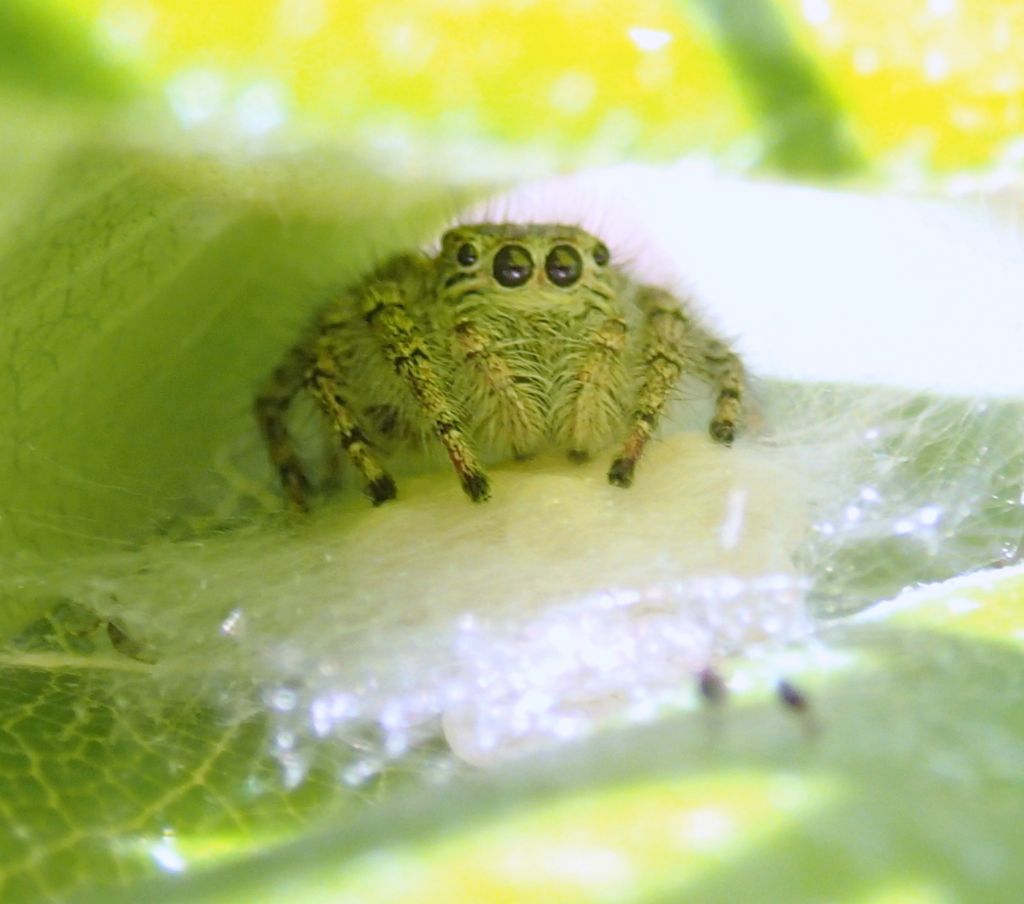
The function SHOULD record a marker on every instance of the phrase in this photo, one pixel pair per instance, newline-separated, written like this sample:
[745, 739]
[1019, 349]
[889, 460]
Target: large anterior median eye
[512, 265]
[563, 265]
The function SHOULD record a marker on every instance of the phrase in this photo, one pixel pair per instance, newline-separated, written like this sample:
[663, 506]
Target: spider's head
[543, 262]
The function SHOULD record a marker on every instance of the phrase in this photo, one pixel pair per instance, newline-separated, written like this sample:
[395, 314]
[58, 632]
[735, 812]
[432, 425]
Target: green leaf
[107, 776]
[147, 288]
[906, 787]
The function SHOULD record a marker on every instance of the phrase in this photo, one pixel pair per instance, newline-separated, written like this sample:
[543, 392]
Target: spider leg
[326, 384]
[588, 410]
[667, 354]
[271, 406]
[405, 348]
[724, 368]
[520, 414]
[678, 344]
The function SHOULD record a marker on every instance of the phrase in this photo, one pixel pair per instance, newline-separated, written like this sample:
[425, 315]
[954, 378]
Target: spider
[513, 338]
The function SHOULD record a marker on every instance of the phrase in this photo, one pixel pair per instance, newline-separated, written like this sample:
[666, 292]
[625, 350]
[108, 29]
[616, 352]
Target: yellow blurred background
[816, 87]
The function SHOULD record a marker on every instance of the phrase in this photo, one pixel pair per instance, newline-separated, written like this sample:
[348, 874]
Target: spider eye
[601, 255]
[466, 255]
[563, 265]
[513, 266]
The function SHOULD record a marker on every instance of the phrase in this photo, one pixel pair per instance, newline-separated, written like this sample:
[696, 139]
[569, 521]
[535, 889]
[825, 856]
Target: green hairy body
[514, 338]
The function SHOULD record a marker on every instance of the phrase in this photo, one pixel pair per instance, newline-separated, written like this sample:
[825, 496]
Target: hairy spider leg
[519, 411]
[404, 347]
[327, 385]
[589, 410]
[725, 370]
[271, 405]
[667, 355]
[677, 344]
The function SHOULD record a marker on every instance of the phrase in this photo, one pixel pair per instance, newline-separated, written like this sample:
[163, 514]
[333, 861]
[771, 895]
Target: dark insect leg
[797, 702]
[792, 697]
[711, 686]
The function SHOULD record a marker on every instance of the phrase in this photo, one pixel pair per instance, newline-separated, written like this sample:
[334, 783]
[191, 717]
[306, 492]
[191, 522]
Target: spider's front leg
[385, 312]
[675, 344]
[586, 411]
[504, 405]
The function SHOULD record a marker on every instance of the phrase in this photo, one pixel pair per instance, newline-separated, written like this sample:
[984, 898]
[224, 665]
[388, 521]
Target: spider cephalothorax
[512, 338]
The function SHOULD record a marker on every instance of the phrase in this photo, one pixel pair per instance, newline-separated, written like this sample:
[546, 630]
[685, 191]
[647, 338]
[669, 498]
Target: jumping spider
[512, 338]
